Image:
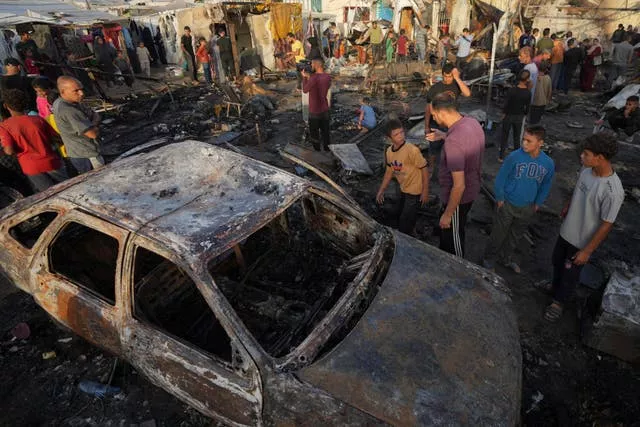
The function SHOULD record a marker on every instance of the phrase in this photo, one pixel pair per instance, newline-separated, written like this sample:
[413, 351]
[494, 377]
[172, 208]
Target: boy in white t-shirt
[588, 218]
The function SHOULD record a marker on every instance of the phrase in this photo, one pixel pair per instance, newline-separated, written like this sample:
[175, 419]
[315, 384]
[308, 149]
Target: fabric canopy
[285, 18]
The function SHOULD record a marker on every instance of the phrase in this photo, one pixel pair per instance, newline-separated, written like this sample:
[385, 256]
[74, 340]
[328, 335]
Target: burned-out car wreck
[261, 299]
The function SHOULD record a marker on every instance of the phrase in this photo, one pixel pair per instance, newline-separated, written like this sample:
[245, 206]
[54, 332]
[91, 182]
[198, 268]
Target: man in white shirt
[588, 218]
[463, 43]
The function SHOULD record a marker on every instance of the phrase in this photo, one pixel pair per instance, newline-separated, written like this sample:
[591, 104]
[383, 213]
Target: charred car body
[260, 299]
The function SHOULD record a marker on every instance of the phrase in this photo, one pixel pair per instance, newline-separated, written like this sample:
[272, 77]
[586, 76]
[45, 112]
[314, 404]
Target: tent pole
[492, 67]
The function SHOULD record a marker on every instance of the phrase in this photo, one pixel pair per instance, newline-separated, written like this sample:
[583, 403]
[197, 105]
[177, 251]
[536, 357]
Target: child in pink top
[45, 91]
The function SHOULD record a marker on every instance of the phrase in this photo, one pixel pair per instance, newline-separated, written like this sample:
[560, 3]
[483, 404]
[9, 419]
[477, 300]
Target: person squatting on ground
[460, 169]
[453, 85]
[30, 139]
[78, 126]
[588, 218]
[515, 110]
[144, 57]
[542, 95]
[521, 187]
[317, 85]
[626, 118]
[405, 162]
[367, 118]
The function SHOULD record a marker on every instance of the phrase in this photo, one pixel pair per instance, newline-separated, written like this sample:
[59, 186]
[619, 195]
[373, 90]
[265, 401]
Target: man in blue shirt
[521, 187]
[464, 49]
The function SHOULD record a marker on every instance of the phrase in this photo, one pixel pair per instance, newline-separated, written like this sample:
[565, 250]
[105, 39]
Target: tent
[14, 12]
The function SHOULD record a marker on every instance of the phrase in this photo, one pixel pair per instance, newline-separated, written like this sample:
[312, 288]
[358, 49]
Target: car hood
[439, 344]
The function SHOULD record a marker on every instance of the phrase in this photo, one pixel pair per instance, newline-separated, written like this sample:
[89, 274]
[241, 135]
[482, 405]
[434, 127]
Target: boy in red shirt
[205, 59]
[402, 46]
[29, 138]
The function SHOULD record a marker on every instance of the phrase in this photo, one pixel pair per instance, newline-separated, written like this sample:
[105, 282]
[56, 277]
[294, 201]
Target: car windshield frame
[305, 352]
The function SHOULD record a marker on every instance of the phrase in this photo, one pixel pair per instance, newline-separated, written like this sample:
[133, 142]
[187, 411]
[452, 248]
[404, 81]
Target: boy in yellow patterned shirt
[406, 163]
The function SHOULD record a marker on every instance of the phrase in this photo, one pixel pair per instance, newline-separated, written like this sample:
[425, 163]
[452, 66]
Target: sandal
[553, 312]
[515, 267]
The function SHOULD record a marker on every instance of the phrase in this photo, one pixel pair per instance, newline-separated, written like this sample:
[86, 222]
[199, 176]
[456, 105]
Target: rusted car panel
[438, 346]
[283, 405]
[193, 377]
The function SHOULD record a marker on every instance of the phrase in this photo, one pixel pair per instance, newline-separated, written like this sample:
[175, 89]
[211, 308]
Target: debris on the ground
[617, 329]
[65, 340]
[21, 331]
[48, 355]
[351, 158]
[537, 398]
[97, 389]
[574, 125]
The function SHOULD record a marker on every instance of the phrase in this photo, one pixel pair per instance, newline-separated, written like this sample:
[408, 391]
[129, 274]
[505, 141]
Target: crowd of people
[47, 127]
[523, 183]
[562, 55]
[51, 131]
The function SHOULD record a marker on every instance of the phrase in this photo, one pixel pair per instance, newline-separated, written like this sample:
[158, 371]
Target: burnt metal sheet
[439, 345]
[190, 196]
[351, 158]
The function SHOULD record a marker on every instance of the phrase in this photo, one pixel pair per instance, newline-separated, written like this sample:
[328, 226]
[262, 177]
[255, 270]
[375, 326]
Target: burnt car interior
[86, 257]
[167, 298]
[285, 277]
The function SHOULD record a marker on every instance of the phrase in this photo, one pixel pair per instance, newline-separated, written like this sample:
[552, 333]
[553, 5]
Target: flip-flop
[515, 267]
[553, 312]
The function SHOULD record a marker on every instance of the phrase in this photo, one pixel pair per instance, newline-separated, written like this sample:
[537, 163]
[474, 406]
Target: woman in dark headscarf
[105, 55]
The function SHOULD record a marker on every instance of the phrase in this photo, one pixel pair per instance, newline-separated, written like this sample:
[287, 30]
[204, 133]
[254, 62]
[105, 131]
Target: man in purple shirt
[317, 86]
[460, 169]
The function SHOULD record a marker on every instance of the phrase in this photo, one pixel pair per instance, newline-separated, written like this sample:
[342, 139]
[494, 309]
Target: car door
[174, 338]
[76, 277]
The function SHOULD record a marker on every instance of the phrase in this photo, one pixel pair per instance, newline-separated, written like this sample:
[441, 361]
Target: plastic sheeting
[8, 40]
[260, 28]
[620, 99]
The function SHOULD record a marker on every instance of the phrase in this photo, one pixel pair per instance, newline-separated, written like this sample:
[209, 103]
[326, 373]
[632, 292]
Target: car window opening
[284, 278]
[29, 231]
[167, 298]
[86, 257]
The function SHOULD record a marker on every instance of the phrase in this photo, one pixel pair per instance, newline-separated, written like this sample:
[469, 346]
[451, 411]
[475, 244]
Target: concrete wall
[600, 22]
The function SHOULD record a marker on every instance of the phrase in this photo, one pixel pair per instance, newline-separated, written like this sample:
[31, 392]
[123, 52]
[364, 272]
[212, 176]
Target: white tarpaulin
[620, 99]
[262, 38]
[14, 12]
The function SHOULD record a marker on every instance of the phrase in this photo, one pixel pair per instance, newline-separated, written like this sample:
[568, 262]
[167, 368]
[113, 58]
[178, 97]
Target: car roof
[190, 196]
